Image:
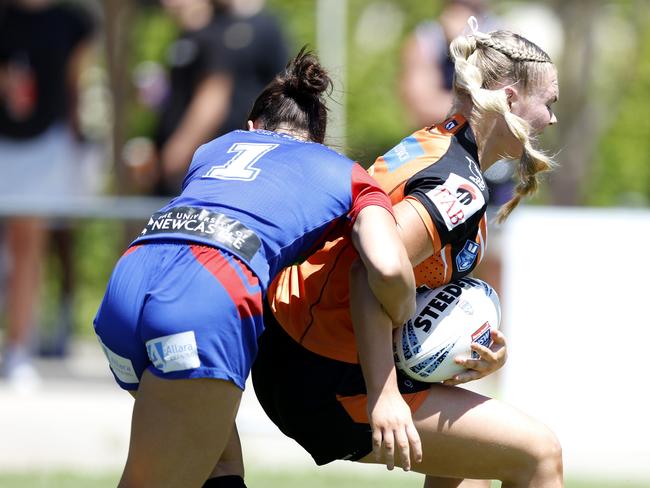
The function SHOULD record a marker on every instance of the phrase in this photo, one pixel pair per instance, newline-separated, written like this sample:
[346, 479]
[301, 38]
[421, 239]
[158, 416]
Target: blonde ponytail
[532, 163]
[483, 61]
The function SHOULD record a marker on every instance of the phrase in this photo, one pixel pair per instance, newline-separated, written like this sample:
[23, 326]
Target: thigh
[467, 435]
[179, 428]
[434, 482]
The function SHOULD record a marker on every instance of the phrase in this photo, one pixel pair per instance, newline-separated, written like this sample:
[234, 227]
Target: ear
[251, 125]
[511, 95]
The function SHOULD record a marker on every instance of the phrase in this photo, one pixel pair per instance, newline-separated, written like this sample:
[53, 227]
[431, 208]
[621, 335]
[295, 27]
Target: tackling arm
[389, 271]
[393, 432]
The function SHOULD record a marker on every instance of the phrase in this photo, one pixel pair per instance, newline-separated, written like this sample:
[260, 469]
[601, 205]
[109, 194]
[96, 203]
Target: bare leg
[62, 239]
[466, 435]
[179, 428]
[433, 482]
[231, 461]
[26, 240]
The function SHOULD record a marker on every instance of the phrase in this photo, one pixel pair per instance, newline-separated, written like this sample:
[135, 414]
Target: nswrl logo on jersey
[176, 352]
[466, 257]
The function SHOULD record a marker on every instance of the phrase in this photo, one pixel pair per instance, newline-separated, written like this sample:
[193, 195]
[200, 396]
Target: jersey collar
[458, 126]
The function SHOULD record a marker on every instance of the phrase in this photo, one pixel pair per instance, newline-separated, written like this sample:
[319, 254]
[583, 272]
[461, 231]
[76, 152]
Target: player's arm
[421, 239]
[389, 271]
[206, 112]
[416, 230]
[422, 87]
[394, 437]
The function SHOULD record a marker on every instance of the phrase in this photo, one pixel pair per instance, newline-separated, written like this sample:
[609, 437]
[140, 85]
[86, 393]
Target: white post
[331, 39]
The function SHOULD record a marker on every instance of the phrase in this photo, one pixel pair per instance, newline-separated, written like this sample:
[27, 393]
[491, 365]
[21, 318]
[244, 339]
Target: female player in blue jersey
[183, 309]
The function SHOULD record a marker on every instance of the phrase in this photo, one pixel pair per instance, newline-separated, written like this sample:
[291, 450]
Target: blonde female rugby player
[333, 386]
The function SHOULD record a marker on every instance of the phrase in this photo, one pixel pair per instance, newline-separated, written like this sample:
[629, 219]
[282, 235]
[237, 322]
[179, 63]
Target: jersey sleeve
[366, 192]
[454, 204]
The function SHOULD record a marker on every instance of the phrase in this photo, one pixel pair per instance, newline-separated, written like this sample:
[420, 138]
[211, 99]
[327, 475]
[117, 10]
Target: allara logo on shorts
[176, 352]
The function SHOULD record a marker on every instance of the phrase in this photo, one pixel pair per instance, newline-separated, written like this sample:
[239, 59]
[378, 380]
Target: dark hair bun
[305, 76]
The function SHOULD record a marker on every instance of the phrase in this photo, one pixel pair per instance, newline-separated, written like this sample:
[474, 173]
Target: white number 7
[240, 166]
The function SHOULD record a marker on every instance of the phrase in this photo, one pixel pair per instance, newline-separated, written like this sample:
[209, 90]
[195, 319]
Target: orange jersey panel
[311, 300]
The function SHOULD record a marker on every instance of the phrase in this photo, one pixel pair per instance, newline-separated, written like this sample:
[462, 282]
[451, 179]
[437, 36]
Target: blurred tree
[118, 16]
[602, 76]
[621, 166]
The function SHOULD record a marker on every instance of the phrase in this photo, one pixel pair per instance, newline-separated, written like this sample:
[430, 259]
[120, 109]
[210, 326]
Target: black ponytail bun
[294, 99]
[305, 75]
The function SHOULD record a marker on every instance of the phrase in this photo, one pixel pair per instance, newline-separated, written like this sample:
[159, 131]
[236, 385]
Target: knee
[549, 452]
[544, 455]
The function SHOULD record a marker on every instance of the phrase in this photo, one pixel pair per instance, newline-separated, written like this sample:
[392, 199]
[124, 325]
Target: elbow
[389, 271]
[394, 281]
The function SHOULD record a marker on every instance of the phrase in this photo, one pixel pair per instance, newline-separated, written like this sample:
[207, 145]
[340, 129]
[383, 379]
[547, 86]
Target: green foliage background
[619, 172]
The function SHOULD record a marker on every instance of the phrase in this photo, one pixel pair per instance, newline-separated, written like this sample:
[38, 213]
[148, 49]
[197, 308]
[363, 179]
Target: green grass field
[269, 479]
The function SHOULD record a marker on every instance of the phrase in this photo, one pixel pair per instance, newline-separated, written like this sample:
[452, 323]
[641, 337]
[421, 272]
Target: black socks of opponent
[231, 481]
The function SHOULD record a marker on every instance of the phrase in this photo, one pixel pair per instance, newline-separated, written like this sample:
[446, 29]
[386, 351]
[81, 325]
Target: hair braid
[531, 164]
[484, 61]
[522, 53]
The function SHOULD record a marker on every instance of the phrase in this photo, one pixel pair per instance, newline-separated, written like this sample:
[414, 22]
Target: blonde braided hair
[485, 61]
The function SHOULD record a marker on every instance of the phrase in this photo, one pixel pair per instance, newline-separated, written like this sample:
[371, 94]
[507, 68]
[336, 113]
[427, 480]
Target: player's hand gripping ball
[446, 321]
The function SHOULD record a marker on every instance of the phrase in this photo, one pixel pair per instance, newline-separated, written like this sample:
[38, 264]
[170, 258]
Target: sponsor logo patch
[406, 150]
[450, 124]
[214, 226]
[457, 199]
[176, 352]
[482, 337]
[476, 177]
[122, 367]
[466, 257]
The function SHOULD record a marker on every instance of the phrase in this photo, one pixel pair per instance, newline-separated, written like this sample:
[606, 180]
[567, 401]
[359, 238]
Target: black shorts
[304, 394]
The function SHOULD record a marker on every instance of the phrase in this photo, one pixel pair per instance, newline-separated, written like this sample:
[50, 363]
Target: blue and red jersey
[268, 198]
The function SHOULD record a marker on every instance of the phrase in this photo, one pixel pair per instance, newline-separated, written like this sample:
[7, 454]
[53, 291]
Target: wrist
[383, 388]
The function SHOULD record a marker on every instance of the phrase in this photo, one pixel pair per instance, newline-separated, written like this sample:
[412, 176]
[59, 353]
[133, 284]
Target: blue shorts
[181, 311]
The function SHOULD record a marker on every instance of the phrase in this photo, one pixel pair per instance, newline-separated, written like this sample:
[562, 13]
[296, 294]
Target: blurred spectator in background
[426, 91]
[227, 51]
[427, 69]
[42, 45]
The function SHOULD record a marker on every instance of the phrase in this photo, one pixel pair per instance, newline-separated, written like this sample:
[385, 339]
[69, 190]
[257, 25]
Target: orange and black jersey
[437, 171]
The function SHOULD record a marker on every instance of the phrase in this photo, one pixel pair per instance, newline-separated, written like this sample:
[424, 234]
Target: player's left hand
[490, 360]
[395, 440]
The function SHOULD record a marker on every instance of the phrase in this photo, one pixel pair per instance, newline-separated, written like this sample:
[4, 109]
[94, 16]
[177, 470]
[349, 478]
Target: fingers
[389, 449]
[403, 449]
[464, 377]
[383, 447]
[489, 360]
[377, 439]
[404, 443]
[498, 337]
[414, 442]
